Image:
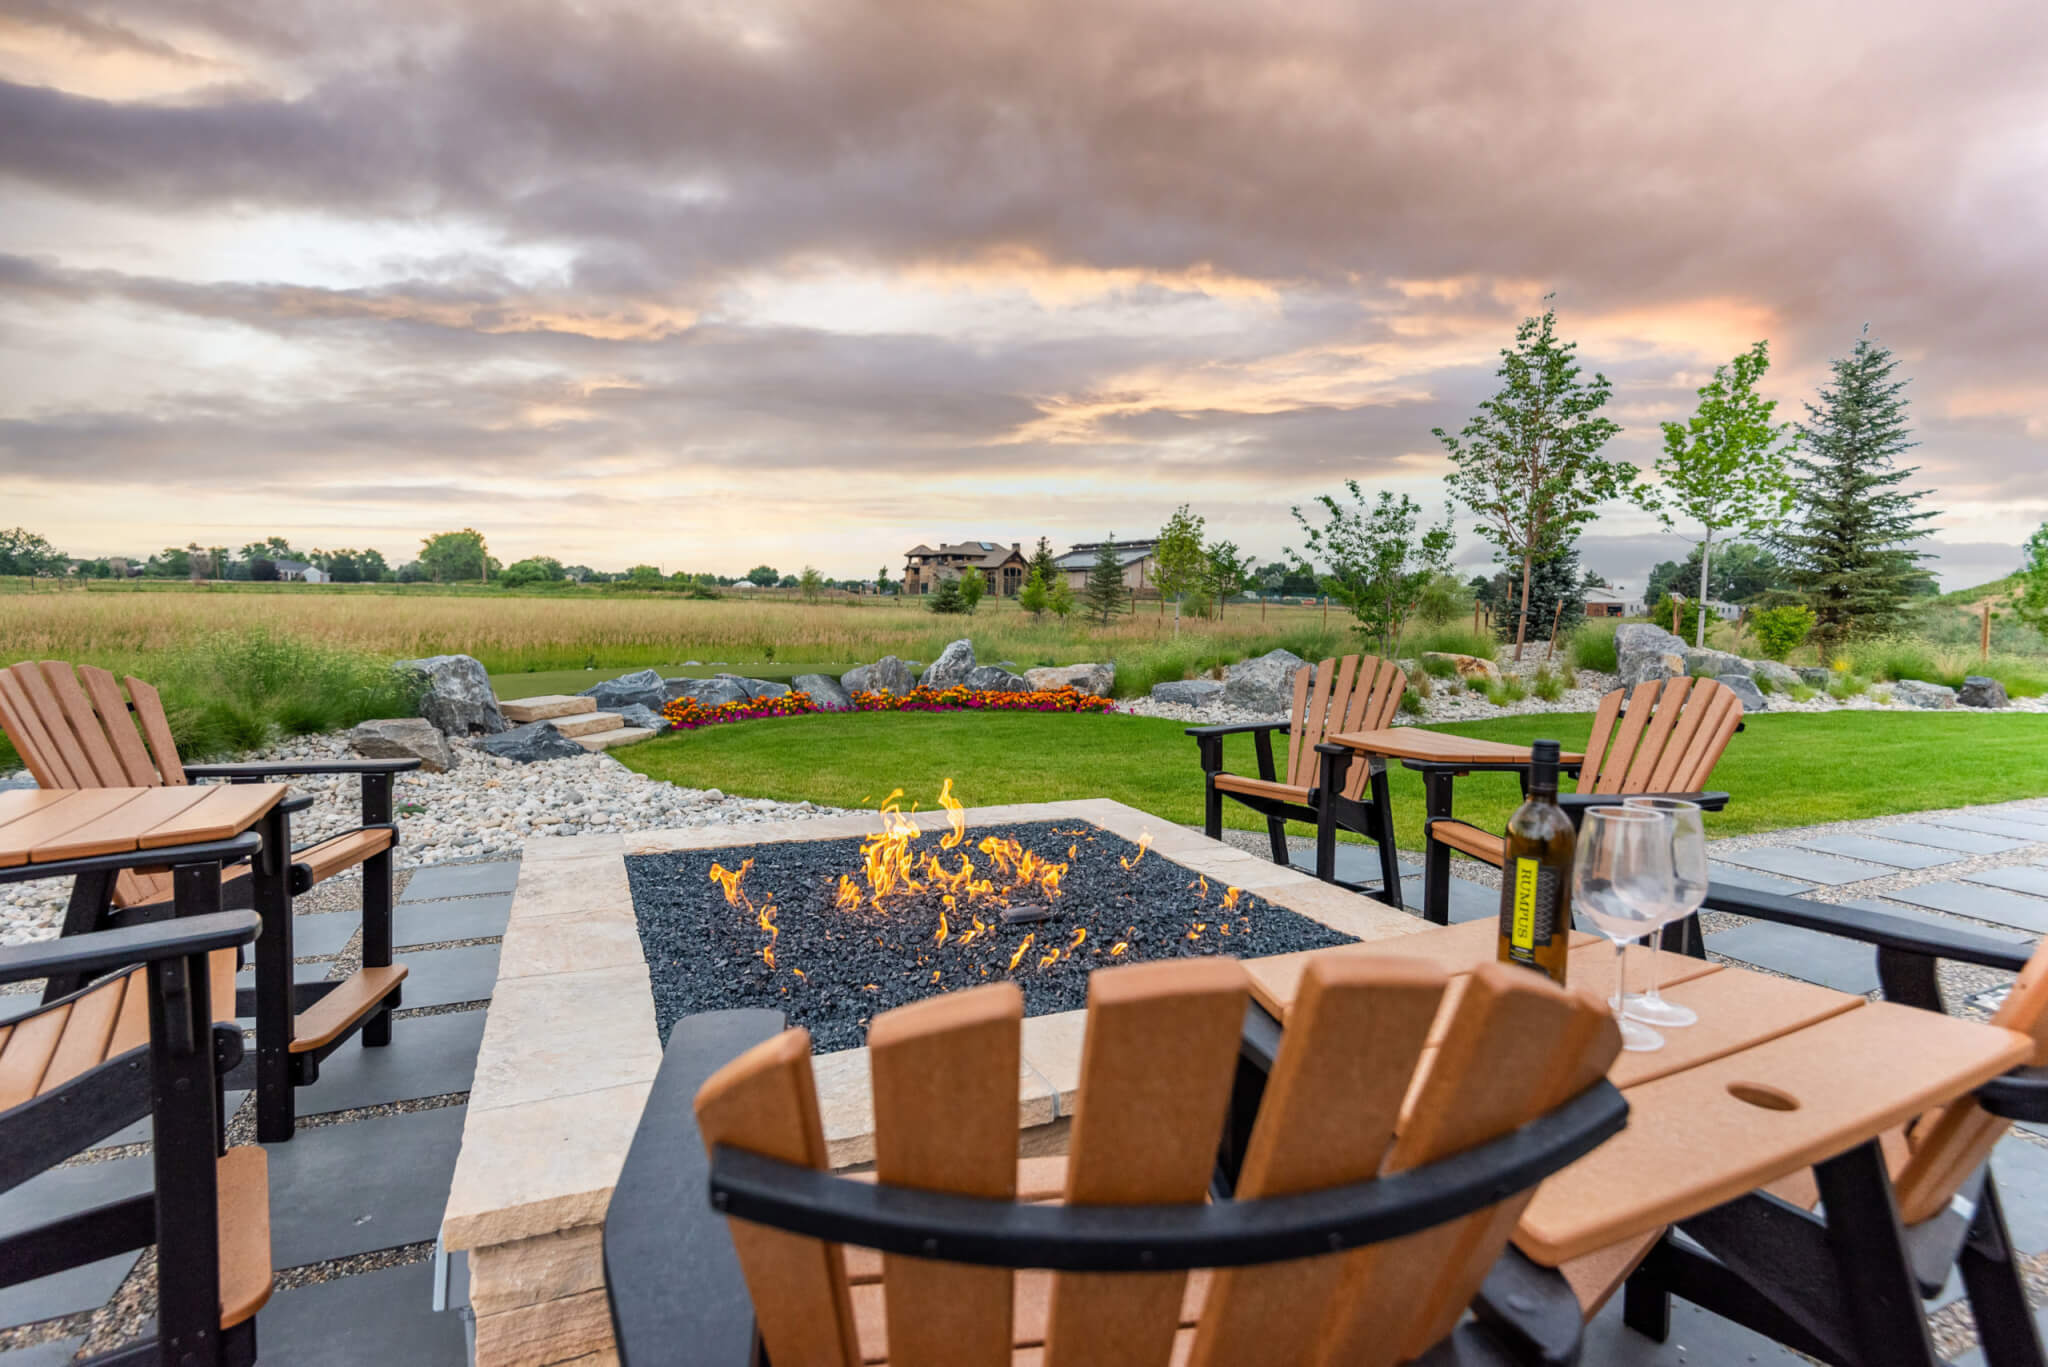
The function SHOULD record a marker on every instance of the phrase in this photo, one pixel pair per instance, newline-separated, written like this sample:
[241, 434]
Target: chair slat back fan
[1317, 782]
[1157, 1070]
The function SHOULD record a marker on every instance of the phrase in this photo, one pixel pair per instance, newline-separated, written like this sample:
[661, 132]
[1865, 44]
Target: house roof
[984, 553]
[291, 566]
[1083, 557]
[1607, 595]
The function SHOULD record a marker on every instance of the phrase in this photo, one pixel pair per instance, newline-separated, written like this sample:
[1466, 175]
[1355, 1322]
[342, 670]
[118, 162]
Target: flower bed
[687, 714]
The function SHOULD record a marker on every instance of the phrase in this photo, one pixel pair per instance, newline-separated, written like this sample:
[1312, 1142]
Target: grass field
[1848, 765]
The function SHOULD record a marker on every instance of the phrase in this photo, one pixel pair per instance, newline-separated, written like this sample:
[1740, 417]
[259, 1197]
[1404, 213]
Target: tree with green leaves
[883, 583]
[1850, 543]
[456, 557]
[1528, 463]
[2030, 603]
[765, 576]
[947, 598]
[1042, 564]
[811, 583]
[1375, 560]
[1724, 469]
[1742, 571]
[25, 552]
[1224, 572]
[1061, 599]
[1104, 592]
[539, 569]
[1178, 562]
[1035, 597]
[972, 587]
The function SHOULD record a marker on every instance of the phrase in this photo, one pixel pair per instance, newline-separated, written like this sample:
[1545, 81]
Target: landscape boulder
[1188, 692]
[824, 690]
[1264, 683]
[537, 740]
[1777, 675]
[1746, 692]
[952, 667]
[456, 696]
[1467, 666]
[1641, 637]
[886, 675]
[1093, 679]
[756, 689]
[643, 686]
[1642, 666]
[403, 738]
[1979, 691]
[1703, 663]
[639, 714]
[1930, 696]
[710, 692]
[1815, 676]
[995, 679]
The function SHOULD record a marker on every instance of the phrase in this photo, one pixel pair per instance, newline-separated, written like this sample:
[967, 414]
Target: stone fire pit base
[570, 1051]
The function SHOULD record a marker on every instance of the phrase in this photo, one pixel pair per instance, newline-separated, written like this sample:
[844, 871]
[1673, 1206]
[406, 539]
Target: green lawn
[1784, 770]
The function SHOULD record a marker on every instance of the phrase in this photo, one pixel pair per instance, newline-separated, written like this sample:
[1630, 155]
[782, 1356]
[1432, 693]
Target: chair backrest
[1950, 1144]
[74, 730]
[1662, 736]
[1158, 1061]
[1356, 693]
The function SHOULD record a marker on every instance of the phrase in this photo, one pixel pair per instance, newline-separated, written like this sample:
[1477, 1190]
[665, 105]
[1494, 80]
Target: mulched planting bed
[836, 967]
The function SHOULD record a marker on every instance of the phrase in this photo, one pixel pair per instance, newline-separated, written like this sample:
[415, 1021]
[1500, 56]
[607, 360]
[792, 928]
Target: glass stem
[1650, 970]
[1620, 962]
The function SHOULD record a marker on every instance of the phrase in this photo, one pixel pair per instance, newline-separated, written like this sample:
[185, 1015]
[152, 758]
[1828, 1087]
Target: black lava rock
[835, 968]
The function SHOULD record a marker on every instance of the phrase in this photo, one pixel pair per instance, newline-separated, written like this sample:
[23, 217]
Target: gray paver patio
[1893, 853]
[2028, 878]
[1737, 877]
[49, 1354]
[1981, 903]
[1825, 959]
[385, 1317]
[52, 1195]
[463, 918]
[328, 933]
[339, 1190]
[427, 1056]
[1988, 825]
[1947, 837]
[1804, 865]
[445, 977]
[460, 880]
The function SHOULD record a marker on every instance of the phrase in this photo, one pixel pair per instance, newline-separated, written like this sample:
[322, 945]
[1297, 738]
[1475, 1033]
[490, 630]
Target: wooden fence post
[1326, 612]
[1556, 615]
[1984, 637]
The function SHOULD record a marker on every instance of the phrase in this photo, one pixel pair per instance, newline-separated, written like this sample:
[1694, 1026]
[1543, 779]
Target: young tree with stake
[1528, 463]
[1375, 562]
[1724, 469]
[1178, 562]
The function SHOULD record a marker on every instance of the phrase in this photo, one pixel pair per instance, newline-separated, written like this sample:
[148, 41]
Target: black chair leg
[1212, 810]
[1646, 1305]
[1390, 854]
[276, 1004]
[1436, 858]
[1998, 1301]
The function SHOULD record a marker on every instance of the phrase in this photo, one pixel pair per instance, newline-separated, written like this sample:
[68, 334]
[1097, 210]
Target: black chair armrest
[255, 769]
[292, 806]
[1576, 804]
[105, 950]
[1870, 927]
[2021, 1094]
[1478, 766]
[670, 1271]
[1237, 729]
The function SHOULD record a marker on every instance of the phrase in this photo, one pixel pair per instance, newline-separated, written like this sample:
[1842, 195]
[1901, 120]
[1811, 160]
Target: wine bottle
[1536, 874]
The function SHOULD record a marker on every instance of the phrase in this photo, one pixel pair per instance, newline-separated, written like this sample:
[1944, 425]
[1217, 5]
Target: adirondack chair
[78, 731]
[1322, 784]
[1342, 1241]
[154, 1040]
[1661, 738]
[1940, 1209]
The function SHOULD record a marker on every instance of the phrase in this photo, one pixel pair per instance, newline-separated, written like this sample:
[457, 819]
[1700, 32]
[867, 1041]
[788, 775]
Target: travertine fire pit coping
[569, 1048]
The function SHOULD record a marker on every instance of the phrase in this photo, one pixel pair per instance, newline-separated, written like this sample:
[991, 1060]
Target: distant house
[1135, 557]
[299, 572]
[1611, 603]
[1002, 568]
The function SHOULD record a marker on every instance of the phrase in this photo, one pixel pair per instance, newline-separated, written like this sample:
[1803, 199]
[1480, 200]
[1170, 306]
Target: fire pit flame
[1129, 861]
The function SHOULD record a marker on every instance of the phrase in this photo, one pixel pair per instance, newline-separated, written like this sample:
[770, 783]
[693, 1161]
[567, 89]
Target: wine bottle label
[1533, 910]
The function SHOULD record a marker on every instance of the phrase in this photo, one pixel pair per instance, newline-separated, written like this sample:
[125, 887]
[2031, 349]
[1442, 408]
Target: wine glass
[1622, 882]
[1689, 889]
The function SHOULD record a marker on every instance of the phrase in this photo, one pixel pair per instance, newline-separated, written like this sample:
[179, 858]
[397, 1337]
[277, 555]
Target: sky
[711, 284]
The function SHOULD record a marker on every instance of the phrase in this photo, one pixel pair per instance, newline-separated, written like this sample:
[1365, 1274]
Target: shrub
[1803, 693]
[1846, 685]
[947, 597]
[1451, 641]
[1592, 647]
[1421, 685]
[1441, 668]
[1547, 685]
[1411, 703]
[1764, 684]
[1508, 690]
[1781, 630]
[234, 691]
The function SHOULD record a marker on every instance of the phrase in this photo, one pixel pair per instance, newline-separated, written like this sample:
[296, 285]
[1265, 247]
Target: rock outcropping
[643, 686]
[824, 691]
[457, 696]
[1093, 679]
[537, 740]
[1188, 692]
[404, 738]
[886, 675]
[1264, 683]
[1979, 691]
[952, 667]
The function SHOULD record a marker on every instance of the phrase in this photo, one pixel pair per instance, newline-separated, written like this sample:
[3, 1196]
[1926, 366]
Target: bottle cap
[1544, 752]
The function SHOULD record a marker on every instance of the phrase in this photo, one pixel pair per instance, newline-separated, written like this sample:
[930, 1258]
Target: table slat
[1738, 1010]
[16, 803]
[21, 841]
[125, 828]
[1413, 742]
[227, 809]
[1692, 1144]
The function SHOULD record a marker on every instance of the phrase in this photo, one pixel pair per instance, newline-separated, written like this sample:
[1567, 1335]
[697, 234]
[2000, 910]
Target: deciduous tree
[811, 583]
[972, 587]
[456, 557]
[25, 552]
[1374, 559]
[2030, 604]
[1224, 572]
[764, 575]
[1035, 597]
[1177, 559]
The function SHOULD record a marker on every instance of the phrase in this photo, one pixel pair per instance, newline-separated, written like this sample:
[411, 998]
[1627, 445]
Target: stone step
[588, 724]
[605, 740]
[547, 707]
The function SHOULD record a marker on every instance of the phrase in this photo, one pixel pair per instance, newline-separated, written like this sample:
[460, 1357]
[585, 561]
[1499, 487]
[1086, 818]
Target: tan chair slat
[113, 710]
[22, 840]
[1596, 741]
[1372, 672]
[1325, 712]
[29, 739]
[215, 812]
[331, 856]
[1642, 703]
[766, 1102]
[242, 1182]
[1306, 721]
[87, 1032]
[26, 1058]
[131, 825]
[131, 1025]
[1295, 715]
[132, 889]
[1346, 1062]
[357, 995]
[1033, 1306]
[944, 1074]
[149, 711]
[41, 704]
[77, 713]
[1650, 749]
[1481, 845]
[1950, 1145]
[1259, 787]
[1157, 1064]
[1664, 777]
[1717, 728]
[1394, 684]
[1518, 1045]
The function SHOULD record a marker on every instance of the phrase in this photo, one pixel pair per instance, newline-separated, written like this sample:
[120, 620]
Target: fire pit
[830, 932]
